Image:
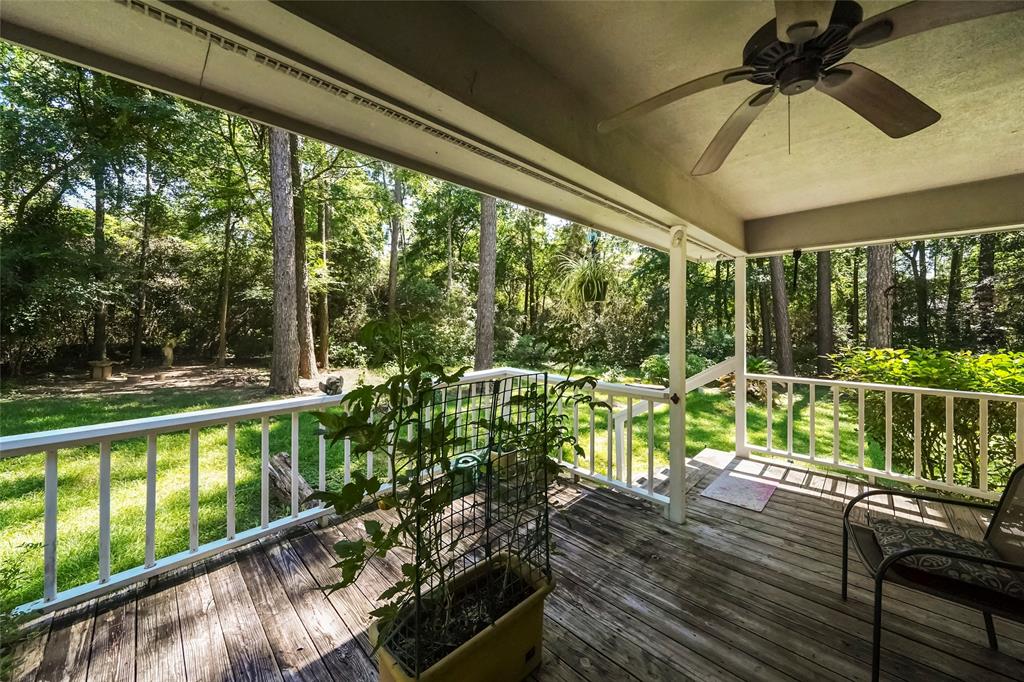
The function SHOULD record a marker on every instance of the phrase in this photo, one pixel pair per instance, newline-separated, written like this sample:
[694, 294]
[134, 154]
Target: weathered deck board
[733, 594]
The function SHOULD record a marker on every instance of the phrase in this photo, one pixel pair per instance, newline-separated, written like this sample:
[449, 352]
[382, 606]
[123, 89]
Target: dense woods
[133, 221]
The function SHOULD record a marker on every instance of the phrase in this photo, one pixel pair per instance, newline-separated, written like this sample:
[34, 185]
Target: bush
[755, 389]
[716, 346]
[528, 352]
[963, 371]
[654, 369]
[348, 354]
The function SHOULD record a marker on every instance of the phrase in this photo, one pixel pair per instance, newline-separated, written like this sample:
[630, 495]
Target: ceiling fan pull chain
[789, 125]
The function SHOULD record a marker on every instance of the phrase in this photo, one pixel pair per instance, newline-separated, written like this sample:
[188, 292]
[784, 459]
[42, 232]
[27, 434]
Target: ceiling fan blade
[712, 80]
[730, 133]
[924, 15]
[797, 21]
[881, 102]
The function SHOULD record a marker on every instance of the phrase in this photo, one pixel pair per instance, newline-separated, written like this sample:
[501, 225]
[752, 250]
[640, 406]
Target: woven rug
[735, 488]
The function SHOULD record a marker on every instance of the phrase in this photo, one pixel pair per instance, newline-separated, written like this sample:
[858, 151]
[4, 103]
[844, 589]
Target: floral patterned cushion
[893, 536]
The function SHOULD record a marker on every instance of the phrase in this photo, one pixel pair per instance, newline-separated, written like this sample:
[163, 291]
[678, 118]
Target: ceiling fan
[799, 51]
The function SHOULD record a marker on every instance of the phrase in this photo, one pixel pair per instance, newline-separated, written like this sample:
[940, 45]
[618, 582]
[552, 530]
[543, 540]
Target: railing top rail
[636, 390]
[23, 444]
[895, 388]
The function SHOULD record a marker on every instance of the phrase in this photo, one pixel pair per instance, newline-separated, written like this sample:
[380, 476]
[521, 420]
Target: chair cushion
[894, 536]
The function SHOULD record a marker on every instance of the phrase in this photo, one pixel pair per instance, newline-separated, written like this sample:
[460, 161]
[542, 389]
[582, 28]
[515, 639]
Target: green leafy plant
[655, 368]
[987, 372]
[426, 475]
[587, 280]
[12, 624]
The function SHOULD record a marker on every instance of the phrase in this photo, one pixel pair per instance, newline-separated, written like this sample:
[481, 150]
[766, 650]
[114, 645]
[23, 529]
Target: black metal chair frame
[879, 574]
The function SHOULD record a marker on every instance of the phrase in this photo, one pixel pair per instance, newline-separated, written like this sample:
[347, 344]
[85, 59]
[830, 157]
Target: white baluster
[150, 499]
[104, 571]
[231, 482]
[50, 526]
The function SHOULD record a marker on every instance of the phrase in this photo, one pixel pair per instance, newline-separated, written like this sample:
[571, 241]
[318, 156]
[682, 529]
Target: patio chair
[987, 574]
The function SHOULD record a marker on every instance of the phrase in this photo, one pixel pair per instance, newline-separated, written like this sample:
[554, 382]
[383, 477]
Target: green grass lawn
[709, 424]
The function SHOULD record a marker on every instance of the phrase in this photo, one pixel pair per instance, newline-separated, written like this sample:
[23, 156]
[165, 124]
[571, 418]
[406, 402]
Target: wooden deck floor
[731, 595]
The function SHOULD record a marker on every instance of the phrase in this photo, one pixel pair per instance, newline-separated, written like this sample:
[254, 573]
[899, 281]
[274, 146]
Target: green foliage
[655, 368]
[376, 420]
[12, 625]
[987, 372]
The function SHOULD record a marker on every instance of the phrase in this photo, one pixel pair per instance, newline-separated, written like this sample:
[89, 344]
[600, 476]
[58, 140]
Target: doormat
[736, 489]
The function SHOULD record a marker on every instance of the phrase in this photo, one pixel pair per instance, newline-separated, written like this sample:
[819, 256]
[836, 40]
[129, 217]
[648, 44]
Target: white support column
[740, 334]
[677, 375]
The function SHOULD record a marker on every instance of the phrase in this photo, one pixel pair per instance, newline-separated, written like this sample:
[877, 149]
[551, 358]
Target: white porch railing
[104, 435]
[917, 473]
[619, 462]
[614, 467]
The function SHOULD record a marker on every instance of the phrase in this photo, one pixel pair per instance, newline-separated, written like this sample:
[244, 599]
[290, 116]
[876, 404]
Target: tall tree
[918, 259]
[954, 291]
[225, 290]
[826, 335]
[483, 357]
[99, 328]
[984, 291]
[284, 369]
[853, 314]
[141, 286]
[880, 288]
[395, 218]
[323, 319]
[303, 309]
[780, 308]
[765, 315]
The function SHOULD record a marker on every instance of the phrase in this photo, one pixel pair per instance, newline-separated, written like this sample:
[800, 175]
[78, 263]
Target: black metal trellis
[481, 449]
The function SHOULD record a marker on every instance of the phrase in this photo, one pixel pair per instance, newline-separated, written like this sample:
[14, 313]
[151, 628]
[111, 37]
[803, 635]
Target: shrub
[348, 354]
[528, 352]
[964, 371]
[654, 369]
[755, 389]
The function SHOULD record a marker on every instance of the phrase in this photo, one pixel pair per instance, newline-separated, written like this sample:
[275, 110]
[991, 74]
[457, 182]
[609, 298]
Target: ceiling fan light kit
[800, 50]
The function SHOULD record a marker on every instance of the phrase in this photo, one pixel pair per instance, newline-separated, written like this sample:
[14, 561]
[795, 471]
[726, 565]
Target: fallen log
[280, 477]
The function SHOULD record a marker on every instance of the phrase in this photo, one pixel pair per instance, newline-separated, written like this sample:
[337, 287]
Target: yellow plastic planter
[508, 651]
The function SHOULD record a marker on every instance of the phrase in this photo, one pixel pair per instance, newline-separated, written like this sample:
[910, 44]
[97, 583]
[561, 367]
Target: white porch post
[740, 336]
[677, 375]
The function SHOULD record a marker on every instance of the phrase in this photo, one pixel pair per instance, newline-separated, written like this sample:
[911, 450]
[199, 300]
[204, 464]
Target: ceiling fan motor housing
[796, 69]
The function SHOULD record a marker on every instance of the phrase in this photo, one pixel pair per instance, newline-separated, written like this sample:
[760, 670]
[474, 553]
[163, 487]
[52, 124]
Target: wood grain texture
[202, 640]
[733, 594]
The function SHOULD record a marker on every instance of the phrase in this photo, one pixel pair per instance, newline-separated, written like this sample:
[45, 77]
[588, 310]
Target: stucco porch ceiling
[505, 97]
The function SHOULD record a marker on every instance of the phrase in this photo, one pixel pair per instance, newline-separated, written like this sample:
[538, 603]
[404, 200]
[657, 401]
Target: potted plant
[465, 510]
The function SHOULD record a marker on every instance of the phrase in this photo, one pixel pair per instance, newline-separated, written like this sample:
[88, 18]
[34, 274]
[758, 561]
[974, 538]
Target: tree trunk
[323, 319]
[953, 294]
[225, 292]
[766, 321]
[140, 292]
[919, 267]
[984, 292]
[483, 357]
[99, 319]
[826, 335]
[780, 307]
[753, 340]
[303, 312]
[853, 315]
[284, 370]
[880, 296]
[719, 313]
[398, 195]
[529, 305]
[450, 264]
